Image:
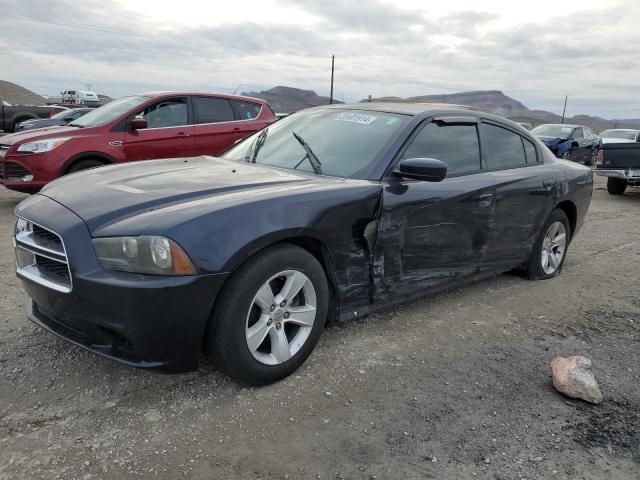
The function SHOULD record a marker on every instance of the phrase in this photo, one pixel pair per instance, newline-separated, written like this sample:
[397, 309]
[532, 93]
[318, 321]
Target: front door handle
[182, 134]
[485, 200]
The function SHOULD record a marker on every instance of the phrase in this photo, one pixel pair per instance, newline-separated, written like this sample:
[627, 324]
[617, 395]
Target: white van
[80, 97]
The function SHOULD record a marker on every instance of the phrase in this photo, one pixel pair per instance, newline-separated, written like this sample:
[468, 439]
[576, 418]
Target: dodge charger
[328, 214]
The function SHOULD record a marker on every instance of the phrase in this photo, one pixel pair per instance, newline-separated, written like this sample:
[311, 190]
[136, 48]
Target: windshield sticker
[356, 118]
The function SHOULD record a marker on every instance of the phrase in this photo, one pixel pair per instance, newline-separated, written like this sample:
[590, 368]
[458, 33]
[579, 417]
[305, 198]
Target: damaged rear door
[434, 234]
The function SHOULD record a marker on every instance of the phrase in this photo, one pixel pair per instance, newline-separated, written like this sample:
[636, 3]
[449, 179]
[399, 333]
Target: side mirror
[138, 124]
[425, 169]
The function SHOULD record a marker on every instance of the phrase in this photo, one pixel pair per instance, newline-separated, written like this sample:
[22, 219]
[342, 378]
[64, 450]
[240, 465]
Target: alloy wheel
[553, 248]
[281, 317]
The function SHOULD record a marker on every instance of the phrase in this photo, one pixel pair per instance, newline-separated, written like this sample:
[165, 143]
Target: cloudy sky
[535, 52]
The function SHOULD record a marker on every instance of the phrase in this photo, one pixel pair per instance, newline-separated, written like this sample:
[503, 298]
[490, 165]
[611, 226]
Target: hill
[289, 99]
[17, 95]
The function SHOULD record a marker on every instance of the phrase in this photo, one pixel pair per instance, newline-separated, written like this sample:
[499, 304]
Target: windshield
[626, 134]
[62, 114]
[559, 131]
[109, 112]
[340, 143]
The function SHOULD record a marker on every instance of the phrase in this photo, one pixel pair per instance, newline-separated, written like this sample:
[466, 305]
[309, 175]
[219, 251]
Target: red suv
[138, 127]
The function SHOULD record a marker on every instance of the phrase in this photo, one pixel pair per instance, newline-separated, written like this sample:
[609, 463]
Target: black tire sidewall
[226, 340]
[534, 269]
[616, 186]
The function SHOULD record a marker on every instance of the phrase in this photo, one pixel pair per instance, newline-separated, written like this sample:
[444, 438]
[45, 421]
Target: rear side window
[455, 145]
[503, 147]
[246, 110]
[212, 110]
[530, 151]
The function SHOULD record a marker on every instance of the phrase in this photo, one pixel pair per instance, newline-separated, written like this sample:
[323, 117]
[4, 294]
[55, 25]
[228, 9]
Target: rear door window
[455, 145]
[212, 110]
[504, 148]
[246, 110]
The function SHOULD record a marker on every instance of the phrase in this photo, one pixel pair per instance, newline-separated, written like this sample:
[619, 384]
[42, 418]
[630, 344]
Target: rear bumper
[632, 176]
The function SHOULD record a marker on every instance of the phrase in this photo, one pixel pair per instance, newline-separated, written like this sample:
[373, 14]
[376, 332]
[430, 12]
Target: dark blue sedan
[62, 118]
[571, 142]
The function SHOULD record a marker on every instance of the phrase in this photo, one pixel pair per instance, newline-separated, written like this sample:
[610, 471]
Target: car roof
[621, 130]
[168, 93]
[570, 125]
[405, 108]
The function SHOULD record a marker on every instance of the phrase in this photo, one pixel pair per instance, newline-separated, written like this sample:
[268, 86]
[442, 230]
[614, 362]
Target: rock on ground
[572, 376]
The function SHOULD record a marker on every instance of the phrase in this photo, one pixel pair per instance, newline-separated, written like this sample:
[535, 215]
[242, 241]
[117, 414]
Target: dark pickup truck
[621, 163]
[10, 116]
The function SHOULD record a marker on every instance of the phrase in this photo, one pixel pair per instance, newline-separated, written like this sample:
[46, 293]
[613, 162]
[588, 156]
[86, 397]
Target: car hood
[130, 199]
[551, 141]
[40, 134]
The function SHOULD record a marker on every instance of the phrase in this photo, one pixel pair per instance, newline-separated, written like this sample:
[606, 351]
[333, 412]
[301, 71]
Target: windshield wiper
[313, 159]
[256, 146]
[74, 125]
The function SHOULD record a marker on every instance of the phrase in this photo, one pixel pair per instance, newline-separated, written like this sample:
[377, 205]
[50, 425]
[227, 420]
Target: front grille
[41, 256]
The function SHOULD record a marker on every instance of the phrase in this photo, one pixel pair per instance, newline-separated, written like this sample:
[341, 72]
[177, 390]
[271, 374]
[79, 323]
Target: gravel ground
[453, 386]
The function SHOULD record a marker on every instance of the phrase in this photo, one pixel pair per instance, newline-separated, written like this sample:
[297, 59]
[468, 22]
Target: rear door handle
[486, 199]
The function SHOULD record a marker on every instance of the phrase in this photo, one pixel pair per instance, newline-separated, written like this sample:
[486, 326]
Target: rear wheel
[270, 315]
[550, 249]
[616, 186]
[84, 165]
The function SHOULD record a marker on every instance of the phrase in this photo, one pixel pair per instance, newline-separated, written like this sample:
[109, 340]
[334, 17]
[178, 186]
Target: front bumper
[27, 172]
[630, 175]
[140, 320]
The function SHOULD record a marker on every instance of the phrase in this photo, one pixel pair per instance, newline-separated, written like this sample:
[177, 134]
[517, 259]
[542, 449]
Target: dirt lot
[449, 387]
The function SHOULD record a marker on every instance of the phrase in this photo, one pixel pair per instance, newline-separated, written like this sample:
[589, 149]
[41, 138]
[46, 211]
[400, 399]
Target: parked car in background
[56, 108]
[571, 142]
[67, 115]
[139, 127]
[333, 212]
[620, 135]
[528, 126]
[620, 162]
[11, 115]
[80, 97]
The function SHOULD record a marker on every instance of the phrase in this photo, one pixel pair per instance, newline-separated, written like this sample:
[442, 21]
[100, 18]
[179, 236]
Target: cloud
[382, 48]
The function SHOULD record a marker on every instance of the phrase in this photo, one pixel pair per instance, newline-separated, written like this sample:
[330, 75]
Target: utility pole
[565, 107]
[333, 59]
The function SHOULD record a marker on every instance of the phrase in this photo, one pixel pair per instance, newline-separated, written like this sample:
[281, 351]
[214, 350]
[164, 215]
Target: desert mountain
[289, 99]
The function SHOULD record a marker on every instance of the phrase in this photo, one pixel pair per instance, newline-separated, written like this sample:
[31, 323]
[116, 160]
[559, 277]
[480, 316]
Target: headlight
[41, 146]
[145, 254]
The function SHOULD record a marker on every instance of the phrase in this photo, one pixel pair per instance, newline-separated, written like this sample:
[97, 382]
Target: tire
[593, 159]
[84, 165]
[535, 268]
[616, 186]
[568, 155]
[239, 320]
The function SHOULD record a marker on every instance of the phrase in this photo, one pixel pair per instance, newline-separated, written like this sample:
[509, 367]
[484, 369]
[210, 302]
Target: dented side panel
[431, 234]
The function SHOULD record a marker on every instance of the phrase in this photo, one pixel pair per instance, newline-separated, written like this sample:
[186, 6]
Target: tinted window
[504, 148]
[167, 113]
[530, 151]
[455, 145]
[247, 110]
[212, 110]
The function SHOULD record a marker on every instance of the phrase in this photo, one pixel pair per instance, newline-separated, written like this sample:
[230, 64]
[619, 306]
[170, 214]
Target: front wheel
[84, 165]
[550, 249]
[593, 159]
[270, 315]
[616, 186]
